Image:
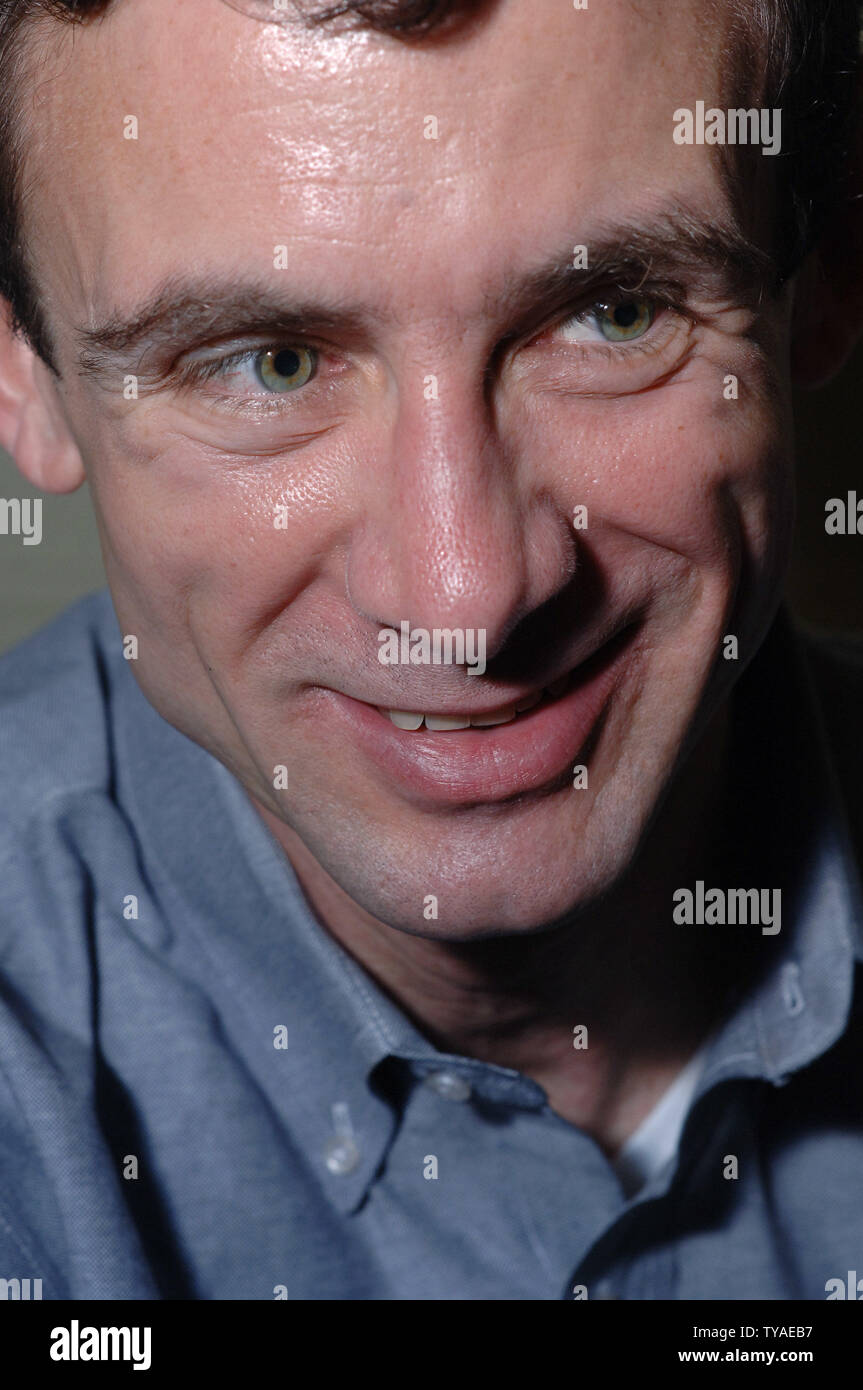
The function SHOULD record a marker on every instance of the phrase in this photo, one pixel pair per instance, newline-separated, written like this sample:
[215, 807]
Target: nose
[459, 531]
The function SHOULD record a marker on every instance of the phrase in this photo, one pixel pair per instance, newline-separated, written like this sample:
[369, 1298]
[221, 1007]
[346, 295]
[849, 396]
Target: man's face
[416, 449]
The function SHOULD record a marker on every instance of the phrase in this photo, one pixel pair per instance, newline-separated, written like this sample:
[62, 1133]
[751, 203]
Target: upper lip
[432, 704]
[477, 712]
[406, 702]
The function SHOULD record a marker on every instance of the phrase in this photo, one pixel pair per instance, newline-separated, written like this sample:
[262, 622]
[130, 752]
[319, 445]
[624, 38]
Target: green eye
[625, 321]
[285, 369]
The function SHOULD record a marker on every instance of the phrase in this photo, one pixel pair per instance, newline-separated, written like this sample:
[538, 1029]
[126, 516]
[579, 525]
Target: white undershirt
[647, 1151]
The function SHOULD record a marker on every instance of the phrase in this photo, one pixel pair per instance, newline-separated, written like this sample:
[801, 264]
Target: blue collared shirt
[203, 1096]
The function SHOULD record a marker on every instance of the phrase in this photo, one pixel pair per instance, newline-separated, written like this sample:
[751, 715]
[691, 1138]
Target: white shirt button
[792, 992]
[341, 1155]
[449, 1085]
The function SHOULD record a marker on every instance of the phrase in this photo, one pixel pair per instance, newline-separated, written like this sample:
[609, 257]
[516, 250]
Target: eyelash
[260, 406]
[661, 305]
[208, 369]
[196, 373]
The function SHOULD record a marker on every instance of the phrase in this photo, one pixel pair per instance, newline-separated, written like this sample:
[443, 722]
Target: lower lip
[535, 750]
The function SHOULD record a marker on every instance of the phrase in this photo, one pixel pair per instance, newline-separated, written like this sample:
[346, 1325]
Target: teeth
[445, 723]
[405, 720]
[487, 721]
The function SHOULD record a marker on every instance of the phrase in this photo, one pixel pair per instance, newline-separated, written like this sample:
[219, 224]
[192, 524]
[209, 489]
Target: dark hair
[800, 55]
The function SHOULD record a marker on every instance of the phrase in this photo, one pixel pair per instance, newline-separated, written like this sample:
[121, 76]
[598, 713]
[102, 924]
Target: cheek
[679, 468]
[215, 542]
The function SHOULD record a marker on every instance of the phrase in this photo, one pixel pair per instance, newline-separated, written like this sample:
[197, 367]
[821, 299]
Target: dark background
[827, 574]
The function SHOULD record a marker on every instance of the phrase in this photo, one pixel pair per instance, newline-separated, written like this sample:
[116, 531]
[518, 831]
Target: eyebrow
[184, 313]
[676, 246]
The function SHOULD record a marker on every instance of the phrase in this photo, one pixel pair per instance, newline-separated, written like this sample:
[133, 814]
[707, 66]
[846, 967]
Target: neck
[646, 990]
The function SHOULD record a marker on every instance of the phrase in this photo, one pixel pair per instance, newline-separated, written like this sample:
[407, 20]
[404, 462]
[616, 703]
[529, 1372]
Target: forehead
[361, 154]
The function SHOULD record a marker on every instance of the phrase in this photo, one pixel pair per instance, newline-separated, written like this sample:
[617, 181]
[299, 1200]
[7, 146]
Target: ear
[33, 428]
[827, 321]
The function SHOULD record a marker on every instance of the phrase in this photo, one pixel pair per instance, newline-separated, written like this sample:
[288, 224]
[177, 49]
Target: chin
[485, 876]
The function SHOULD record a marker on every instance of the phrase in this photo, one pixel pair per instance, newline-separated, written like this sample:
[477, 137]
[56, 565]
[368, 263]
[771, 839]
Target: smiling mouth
[457, 757]
[411, 720]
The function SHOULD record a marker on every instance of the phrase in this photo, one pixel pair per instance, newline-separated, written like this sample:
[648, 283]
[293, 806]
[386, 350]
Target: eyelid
[664, 296]
[193, 371]
[661, 301]
[666, 329]
[569, 368]
[604, 308]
